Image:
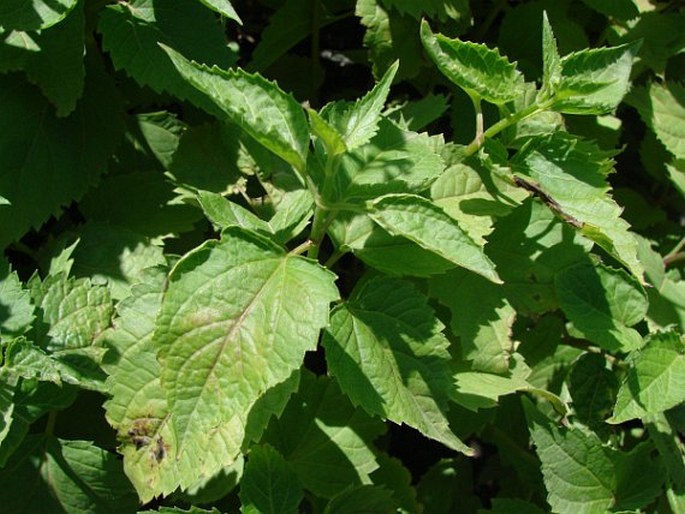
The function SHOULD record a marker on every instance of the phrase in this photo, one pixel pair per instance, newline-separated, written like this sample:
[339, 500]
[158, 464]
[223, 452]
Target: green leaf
[386, 348]
[51, 475]
[583, 476]
[529, 247]
[417, 114]
[426, 224]
[593, 389]
[358, 123]
[33, 14]
[475, 194]
[132, 31]
[75, 312]
[655, 381]
[364, 498]
[332, 140]
[224, 8]
[594, 81]
[666, 440]
[482, 318]
[137, 408]
[667, 297]
[114, 255]
[570, 178]
[268, 485]
[161, 132]
[16, 309]
[389, 38]
[448, 487]
[602, 304]
[207, 158]
[327, 441]
[292, 22]
[480, 71]
[259, 107]
[475, 390]
[394, 161]
[449, 10]
[393, 475]
[662, 107]
[621, 9]
[394, 255]
[55, 65]
[228, 331]
[68, 153]
[149, 211]
[224, 213]
[551, 62]
[285, 224]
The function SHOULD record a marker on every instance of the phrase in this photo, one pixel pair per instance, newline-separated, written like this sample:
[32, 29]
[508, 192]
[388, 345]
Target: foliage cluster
[338, 256]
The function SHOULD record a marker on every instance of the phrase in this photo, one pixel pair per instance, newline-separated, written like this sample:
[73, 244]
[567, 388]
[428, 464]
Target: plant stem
[50, 426]
[300, 249]
[479, 120]
[676, 254]
[318, 230]
[504, 123]
[335, 257]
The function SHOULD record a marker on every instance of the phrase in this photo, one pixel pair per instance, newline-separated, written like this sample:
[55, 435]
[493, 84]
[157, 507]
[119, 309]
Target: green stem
[479, 120]
[50, 426]
[504, 123]
[335, 257]
[317, 232]
[300, 249]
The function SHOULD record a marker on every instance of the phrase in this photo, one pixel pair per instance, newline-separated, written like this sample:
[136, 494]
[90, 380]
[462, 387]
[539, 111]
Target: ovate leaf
[224, 8]
[569, 175]
[594, 81]
[602, 304]
[386, 348]
[324, 438]
[426, 224]
[480, 71]
[268, 485]
[358, 123]
[662, 107]
[38, 148]
[655, 381]
[394, 161]
[228, 330]
[33, 14]
[481, 317]
[583, 476]
[131, 33]
[16, 309]
[259, 107]
[56, 65]
[366, 498]
[51, 475]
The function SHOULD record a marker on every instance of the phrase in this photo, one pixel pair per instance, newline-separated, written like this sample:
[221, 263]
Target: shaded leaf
[34, 14]
[326, 440]
[268, 485]
[65, 476]
[423, 222]
[386, 348]
[655, 381]
[602, 304]
[131, 32]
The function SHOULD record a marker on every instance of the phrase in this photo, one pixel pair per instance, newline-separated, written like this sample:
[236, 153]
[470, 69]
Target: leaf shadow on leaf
[324, 438]
[529, 247]
[382, 166]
